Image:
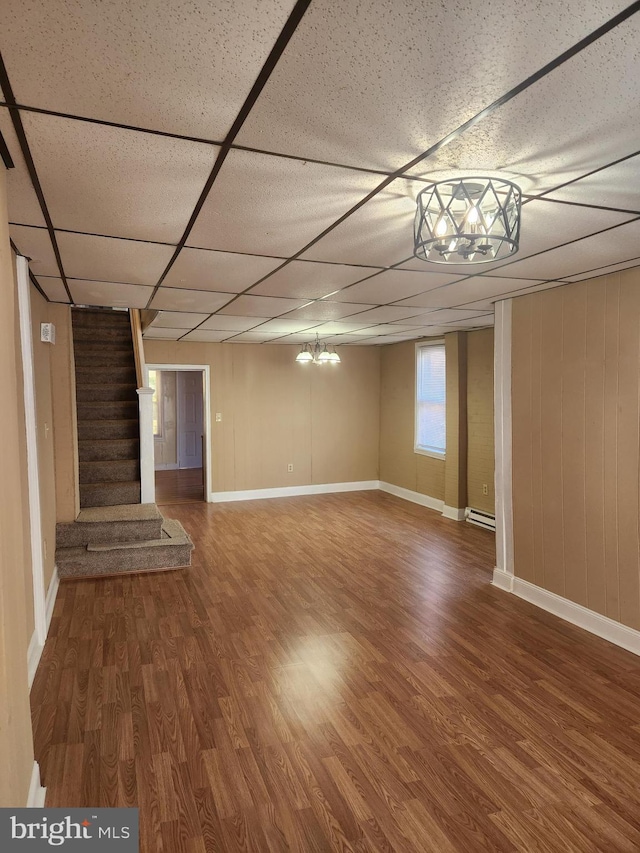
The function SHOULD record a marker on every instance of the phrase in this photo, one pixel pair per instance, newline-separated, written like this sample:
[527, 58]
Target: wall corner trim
[503, 580]
[34, 652]
[414, 497]
[608, 629]
[454, 513]
[37, 794]
[52, 592]
[292, 491]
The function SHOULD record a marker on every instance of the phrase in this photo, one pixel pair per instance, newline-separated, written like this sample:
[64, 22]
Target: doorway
[180, 432]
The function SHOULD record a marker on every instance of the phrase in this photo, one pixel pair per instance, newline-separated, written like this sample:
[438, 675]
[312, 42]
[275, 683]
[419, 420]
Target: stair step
[109, 410]
[171, 551]
[101, 360]
[119, 375]
[104, 392]
[99, 316]
[96, 343]
[96, 450]
[111, 471]
[109, 494]
[111, 334]
[124, 523]
[108, 430]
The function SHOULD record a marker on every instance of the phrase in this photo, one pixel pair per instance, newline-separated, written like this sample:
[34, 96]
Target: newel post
[147, 475]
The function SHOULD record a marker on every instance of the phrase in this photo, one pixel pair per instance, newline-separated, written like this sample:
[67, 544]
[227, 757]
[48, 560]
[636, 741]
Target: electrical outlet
[485, 489]
[290, 467]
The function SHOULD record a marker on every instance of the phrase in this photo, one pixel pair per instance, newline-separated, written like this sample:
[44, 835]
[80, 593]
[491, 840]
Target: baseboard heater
[481, 519]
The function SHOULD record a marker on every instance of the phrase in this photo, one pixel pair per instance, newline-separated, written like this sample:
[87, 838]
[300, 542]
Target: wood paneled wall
[575, 389]
[323, 420]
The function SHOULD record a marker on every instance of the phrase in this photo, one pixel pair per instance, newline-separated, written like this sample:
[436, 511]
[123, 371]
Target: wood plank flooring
[335, 673]
[183, 485]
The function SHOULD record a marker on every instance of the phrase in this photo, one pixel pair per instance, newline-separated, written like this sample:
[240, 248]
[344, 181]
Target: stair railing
[145, 414]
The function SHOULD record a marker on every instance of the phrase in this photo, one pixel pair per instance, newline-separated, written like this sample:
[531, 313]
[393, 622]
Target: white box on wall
[47, 333]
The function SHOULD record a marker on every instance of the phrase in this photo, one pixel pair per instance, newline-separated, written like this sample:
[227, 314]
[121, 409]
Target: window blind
[431, 399]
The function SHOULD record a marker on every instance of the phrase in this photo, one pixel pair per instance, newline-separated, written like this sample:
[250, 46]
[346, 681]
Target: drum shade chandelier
[317, 353]
[467, 221]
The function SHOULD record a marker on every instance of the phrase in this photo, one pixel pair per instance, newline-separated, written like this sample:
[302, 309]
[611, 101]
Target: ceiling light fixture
[467, 221]
[318, 353]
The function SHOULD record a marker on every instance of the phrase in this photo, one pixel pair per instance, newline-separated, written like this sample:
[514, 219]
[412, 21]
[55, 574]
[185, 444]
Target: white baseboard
[454, 513]
[35, 798]
[167, 466]
[615, 632]
[503, 580]
[34, 652]
[414, 497]
[292, 491]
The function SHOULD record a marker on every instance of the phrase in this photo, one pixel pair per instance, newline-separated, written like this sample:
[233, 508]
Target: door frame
[206, 413]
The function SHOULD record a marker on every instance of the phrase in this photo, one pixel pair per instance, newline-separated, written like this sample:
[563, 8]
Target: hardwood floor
[183, 485]
[335, 673]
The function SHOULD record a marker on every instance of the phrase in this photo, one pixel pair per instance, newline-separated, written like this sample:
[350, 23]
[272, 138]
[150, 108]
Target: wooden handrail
[138, 346]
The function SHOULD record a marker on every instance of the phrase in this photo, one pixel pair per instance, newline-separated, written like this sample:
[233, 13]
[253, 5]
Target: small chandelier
[317, 353]
[467, 221]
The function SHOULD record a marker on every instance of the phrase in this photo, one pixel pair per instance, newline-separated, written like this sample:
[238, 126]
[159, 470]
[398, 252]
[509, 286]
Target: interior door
[189, 393]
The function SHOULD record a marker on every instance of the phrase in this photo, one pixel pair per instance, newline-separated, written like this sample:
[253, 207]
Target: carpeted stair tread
[109, 410]
[125, 428]
[104, 450]
[109, 471]
[172, 533]
[109, 494]
[106, 391]
[123, 512]
[124, 523]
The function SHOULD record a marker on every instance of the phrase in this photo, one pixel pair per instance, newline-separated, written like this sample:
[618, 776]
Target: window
[155, 383]
[430, 436]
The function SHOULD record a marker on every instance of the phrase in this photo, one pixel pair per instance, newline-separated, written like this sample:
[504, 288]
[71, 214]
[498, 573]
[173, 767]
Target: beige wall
[575, 364]
[480, 435]
[470, 439]
[65, 432]
[166, 448]
[323, 420]
[16, 744]
[41, 312]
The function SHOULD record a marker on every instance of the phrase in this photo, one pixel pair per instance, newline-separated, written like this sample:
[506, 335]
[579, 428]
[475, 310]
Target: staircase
[114, 533]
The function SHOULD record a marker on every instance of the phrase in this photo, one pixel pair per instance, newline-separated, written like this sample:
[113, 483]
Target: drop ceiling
[249, 170]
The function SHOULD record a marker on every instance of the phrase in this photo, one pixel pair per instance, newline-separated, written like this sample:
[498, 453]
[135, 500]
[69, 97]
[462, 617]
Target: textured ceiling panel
[207, 336]
[36, 245]
[54, 288]
[392, 285]
[479, 322]
[624, 265]
[469, 290]
[112, 181]
[328, 310]
[583, 255]
[450, 315]
[163, 334]
[262, 306]
[202, 269]
[167, 66]
[554, 131]
[310, 281]
[271, 206]
[178, 320]
[253, 337]
[337, 327]
[106, 259]
[230, 324]
[386, 314]
[24, 206]
[616, 186]
[196, 301]
[387, 329]
[287, 326]
[108, 294]
[376, 82]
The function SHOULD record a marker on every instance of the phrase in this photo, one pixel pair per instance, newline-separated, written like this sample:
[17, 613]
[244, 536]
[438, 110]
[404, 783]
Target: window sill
[432, 453]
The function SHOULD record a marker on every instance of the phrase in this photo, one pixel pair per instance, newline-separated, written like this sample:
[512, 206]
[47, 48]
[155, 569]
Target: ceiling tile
[261, 306]
[565, 125]
[381, 82]
[378, 233]
[178, 320]
[387, 314]
[253, 337]
[467, 290]
[327, 310]
[453, 315]
[339, 328]
[274, 206]
[54, 288]
[167, 66]
[207, 336]
[197, 301]
[204, 269]
[108, 259]
[309, 280]
[162, 333]
[22, 200]
[392, 285]
[616, 186]
[229, 323]
[472, 322]
[386, 329]
[623, 265]
[297, 338]
[287, 326]
[338, 340]
[582, 255]
[106, 293]
[36, 245]
[111, 181]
